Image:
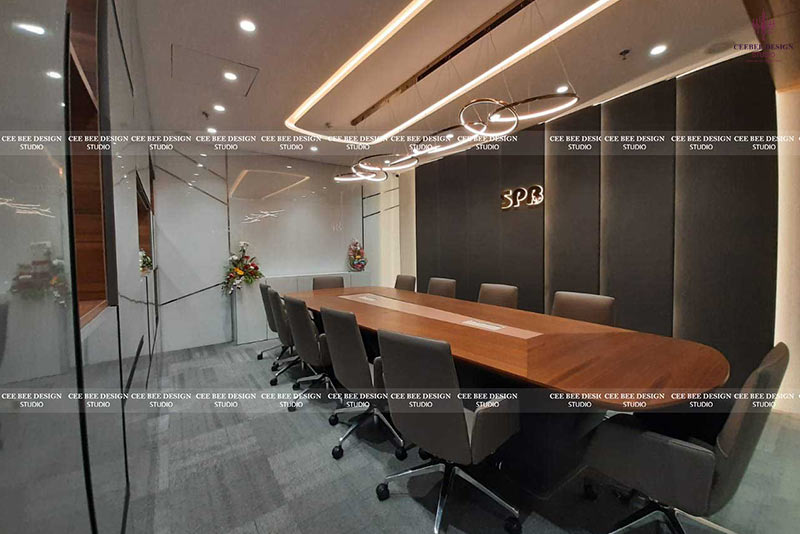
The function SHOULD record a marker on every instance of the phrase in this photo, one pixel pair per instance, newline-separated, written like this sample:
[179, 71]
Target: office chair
[584, 307]
[354, 372]
[327, 282]
[445, 287]
[311, 346]
[452, 435]
[284, 334]
[264, 288]
[499, 295]
[694, 477]
[406, 282]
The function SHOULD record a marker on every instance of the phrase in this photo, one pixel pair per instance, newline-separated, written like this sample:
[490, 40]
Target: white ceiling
[298, 44]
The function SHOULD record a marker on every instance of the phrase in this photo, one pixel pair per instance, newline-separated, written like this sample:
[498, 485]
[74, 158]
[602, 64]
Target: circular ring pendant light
[501, 109]
[388, 162]
[552, 103]
[358, 176]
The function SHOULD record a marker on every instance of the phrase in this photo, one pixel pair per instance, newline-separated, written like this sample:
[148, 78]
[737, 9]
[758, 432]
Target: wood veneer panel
[569, 356]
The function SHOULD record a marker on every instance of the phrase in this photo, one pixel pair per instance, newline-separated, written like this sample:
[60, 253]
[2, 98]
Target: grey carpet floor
[270, 471]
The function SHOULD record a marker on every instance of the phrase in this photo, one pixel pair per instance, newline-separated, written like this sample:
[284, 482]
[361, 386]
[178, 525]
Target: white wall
[787, 308]
[381, 203]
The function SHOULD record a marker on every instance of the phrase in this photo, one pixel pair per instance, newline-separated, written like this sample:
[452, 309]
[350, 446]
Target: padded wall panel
[636, 209]
[572, 207]
[483, 222]
[427, 222]
[726, 217]
[522, 229]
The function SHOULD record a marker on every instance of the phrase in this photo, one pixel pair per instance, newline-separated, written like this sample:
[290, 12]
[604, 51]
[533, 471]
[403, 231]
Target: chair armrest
[377, 375]
[672, 471]
[324, 352]
[492, 426]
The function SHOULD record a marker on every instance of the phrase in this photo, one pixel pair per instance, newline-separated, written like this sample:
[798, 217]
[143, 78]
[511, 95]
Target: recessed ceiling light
[314, 149]
[53, 74]
[204, 155]
[199, 164]
[562, 89]
[211, 130]
[119, 155]
[448, 136]
[196, 174]
[288, 166]
[219, 107]
[658, 50]
[63, 105]
[30, 28]
[247, 25]
[230, 76]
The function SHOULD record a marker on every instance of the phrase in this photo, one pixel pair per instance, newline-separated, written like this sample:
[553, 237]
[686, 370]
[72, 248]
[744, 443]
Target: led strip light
[409, 12]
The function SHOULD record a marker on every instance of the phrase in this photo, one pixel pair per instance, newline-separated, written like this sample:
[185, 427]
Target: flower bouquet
[356, 258]
[145, 262]
[241, 269]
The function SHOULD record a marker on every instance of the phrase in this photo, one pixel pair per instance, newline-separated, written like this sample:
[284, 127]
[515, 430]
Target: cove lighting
[230, 76]
[30, 28]
[658, 50]
[247, 25]
[562, 89]
[219, 107]
[53, 74]
[398, 22]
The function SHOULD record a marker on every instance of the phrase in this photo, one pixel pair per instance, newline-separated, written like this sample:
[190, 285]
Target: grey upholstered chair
[354, 372]
[406, 282]
[264, 289]
[692, 476]
[327, 282]
[445, 287]
[584, 307]
[284, 333]
[451, 434]
[311, 346]
[499, 295]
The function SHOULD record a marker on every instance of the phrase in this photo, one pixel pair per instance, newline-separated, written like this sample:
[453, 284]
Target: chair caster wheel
[273, 382]
[275, 367]
[589, 491]
[513, 525]
[424, 455]
[382, 491]
[295, 386]
[337, 452]
[400, 453]
[260, 356]
[291, 408]
[333, 420]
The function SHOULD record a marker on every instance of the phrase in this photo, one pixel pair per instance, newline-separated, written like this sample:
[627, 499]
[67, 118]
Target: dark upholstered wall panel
[461, 231]
[522, 229]
[636, 209]
[427, 222]
[726, 217]
[572, 207]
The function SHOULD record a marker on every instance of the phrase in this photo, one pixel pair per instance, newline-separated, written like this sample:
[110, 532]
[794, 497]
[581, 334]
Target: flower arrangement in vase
[242, 269]
[145, 263]
[356, 257]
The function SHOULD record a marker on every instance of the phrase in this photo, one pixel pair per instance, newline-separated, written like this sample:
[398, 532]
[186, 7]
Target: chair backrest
[304, 332]
[281, 320]
[445, 287]
[738, 439]
[405, 282]
[414, 364]
[499, 295]
[584, 307]
[264, 288]
[327, 282]
[348, 355]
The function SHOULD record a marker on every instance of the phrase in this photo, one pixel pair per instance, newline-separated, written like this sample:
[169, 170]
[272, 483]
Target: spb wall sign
[522, 196]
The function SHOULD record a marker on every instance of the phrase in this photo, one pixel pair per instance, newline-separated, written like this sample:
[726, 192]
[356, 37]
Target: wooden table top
[552, 352]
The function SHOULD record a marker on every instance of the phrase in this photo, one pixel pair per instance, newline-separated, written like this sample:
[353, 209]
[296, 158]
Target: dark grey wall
[726, 217]
[572, 207]
[636, 209]
[461, 231]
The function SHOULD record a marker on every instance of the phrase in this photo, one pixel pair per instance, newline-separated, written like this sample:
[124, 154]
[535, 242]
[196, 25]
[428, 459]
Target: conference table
[559, 354]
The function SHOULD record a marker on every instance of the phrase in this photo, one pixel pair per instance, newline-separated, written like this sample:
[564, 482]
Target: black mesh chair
[284, 333]
[271, 325]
